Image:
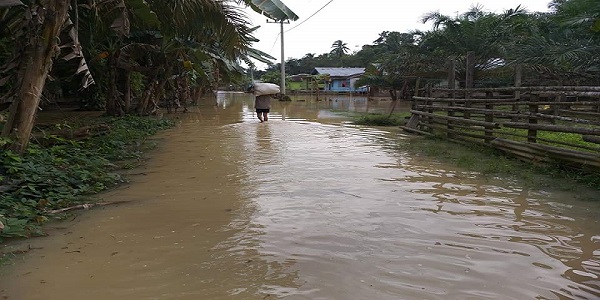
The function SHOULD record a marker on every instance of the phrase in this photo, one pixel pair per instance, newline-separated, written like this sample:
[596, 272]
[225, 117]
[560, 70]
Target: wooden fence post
[452, 95]
[417, 87]
[470, 73]
[489, 117]
[429, 102]
[533, 110]
[555, 107]
[469, 79]
[517, 94]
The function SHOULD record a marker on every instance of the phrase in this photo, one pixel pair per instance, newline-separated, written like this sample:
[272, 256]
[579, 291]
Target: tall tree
[206, 35]
[42, 22]
[491, 37]
[339, 49]
[563, 45]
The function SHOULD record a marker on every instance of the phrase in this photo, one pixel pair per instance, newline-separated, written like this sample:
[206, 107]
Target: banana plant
[35, 28]
[102, 31]
[273, 9]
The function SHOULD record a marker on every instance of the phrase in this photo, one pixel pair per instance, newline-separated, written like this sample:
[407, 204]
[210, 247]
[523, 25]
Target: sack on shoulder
[264, 88]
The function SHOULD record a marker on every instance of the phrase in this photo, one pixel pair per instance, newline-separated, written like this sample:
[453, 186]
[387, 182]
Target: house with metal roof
[341, 79]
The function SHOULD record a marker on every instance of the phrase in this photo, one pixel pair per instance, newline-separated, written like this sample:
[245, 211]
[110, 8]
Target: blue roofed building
[341, 79]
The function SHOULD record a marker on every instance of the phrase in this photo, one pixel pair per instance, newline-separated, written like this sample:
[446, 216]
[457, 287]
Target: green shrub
[66, 173]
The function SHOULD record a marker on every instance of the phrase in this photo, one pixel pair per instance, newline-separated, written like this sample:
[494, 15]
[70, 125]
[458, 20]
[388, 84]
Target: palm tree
[339, 48]
[491, 37]
[563, 45]
[398, 60]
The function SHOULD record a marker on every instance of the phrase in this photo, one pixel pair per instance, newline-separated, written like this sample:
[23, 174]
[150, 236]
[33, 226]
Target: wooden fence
[554, 125]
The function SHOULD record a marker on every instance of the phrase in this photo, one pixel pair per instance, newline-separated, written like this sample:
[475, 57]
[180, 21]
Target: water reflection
[305, 206]
[324, 108]
[508, 220]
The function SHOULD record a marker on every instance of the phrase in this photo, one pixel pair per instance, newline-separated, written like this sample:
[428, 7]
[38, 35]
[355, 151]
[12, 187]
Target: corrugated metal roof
[339, 72]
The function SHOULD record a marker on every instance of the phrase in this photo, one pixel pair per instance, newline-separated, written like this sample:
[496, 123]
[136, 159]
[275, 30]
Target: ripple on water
[295, 209]
[349, 214]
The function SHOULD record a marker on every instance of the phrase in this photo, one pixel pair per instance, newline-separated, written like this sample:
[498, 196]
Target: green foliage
[381, 120]
[138, 81]
[128, 134]
[339, 48]
[554, 48]
[62, 175]
[272, 77]
[564, 137]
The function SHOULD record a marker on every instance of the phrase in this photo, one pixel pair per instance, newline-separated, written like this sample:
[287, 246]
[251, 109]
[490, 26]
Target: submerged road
[306, 206]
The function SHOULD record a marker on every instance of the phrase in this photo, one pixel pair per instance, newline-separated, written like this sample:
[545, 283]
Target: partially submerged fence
[556, 125]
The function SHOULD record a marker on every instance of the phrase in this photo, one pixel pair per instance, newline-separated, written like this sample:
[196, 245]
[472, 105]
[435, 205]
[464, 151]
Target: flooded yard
[308, 206]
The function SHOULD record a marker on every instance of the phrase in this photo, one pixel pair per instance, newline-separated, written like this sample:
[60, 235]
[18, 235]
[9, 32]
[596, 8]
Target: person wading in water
[262, 102]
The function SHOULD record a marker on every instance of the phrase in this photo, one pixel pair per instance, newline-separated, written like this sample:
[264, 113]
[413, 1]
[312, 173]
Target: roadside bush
[65, 174]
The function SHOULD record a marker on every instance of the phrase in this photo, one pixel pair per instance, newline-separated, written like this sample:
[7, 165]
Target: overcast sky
[359, 23]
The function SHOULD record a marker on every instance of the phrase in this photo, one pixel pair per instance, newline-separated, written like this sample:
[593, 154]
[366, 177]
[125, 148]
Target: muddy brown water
[307, 206]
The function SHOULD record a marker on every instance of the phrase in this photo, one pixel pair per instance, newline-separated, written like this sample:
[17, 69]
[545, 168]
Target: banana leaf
[6, 3]
[273, 9]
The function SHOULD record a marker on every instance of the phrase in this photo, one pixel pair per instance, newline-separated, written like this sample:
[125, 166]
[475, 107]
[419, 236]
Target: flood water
[308, 206]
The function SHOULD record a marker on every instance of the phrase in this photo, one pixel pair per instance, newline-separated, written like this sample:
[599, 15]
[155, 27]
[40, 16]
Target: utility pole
[281, 22]
[279, 13]
[282, 62]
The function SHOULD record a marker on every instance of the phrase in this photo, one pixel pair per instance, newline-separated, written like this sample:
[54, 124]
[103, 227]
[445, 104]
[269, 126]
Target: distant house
[299, 82]
[341, 79]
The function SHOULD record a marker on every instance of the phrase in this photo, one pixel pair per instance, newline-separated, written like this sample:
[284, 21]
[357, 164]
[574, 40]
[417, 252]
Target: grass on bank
[372, 119]
[67, 172]
[487, 161]
[492, 163]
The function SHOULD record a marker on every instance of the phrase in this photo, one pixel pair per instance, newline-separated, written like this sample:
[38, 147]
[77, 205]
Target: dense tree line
[558, 47]
[123, 56]
[127, 56]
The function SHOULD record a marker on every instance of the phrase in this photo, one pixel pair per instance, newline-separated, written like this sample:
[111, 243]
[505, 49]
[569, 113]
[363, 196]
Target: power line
[279, 34]
[275, 42]
[310, 16]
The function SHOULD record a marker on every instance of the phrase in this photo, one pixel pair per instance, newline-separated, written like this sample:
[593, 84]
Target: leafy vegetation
[381, 120]
[558, 47]
[179, 49]
[133, 56]
[67, 173]
[569, 138]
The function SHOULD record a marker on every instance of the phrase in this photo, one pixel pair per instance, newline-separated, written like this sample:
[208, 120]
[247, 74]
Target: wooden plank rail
[507, 102]
[554, 124]
[578, 94]
[505, 113]
[553, 128]
[441, 125]
[524, 89]
[457, 132]
[463, 100]
[456, 119]
[520, 150]
[591, 139]
[581, 113]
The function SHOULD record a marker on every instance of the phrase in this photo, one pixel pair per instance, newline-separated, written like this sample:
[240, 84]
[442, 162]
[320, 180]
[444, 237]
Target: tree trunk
[36, 63]
[395, 101]
[470, 70]
[393, 94]
[126, 87]
[150, 88]
[160, 88]
[114, 104]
